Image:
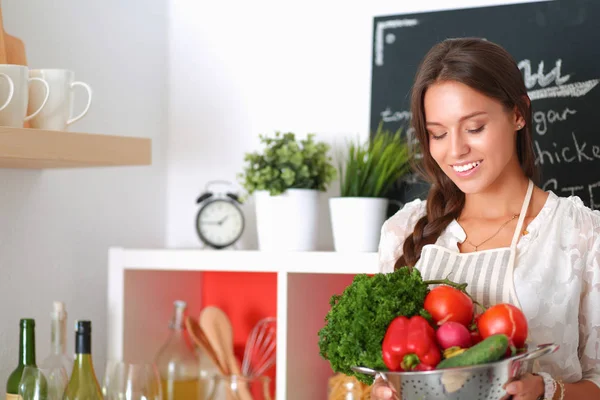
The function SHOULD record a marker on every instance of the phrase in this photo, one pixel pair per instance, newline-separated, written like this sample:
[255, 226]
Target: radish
[453, 334]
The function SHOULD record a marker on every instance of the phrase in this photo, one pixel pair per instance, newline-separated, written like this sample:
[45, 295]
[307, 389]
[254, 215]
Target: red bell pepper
[410, 345]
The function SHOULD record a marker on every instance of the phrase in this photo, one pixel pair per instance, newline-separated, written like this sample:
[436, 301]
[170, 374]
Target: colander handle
[382, 376]
[370, 371]
[540, 351]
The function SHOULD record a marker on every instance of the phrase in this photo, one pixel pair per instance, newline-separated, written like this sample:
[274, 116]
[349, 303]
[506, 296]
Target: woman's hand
[382, 390]
[527, 387]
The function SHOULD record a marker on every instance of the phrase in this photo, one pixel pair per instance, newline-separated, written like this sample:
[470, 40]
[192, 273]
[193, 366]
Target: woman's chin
[471, 186]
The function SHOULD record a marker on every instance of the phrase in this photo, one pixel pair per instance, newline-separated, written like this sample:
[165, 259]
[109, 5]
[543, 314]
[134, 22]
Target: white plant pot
[356, 222]
[289, 221]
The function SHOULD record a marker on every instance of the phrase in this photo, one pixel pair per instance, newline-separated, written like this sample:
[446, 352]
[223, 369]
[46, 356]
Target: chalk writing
[393, 116]
[531, 79]
[561, 89]
[380, 34]
[542, 119]
[592, 189]
[567, 154]
[576, 89]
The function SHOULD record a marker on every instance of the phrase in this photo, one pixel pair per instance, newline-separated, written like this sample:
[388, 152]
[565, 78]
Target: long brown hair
[489, 69]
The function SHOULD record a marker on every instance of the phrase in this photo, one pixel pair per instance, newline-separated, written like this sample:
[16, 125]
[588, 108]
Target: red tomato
[446, 303]
[475, 335]
[475, 338]
[504, 318]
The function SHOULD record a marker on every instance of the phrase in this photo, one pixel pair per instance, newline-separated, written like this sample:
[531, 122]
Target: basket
[479, 382]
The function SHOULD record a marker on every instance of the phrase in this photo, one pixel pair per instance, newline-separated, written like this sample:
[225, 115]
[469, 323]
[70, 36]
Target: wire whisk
[260, 354]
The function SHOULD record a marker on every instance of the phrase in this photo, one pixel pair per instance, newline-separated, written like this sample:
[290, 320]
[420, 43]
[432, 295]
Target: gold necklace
[494, 235]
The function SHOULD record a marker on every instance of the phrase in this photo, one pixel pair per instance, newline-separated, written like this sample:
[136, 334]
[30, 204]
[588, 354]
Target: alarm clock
[220, 220]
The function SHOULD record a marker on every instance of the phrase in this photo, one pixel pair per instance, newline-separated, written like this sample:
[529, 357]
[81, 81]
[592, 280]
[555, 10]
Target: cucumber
[488, 350]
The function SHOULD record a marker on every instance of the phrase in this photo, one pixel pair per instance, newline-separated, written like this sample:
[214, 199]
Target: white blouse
[557, 278]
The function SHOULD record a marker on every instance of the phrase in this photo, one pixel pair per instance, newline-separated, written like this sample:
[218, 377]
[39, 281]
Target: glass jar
[344, 387]
[237, 387]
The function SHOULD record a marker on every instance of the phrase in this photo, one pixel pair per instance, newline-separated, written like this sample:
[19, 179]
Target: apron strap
[513, 246]
[524, 208]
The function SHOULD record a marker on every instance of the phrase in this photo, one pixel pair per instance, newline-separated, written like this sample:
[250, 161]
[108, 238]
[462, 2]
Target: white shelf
[143, 282]
[248, 261]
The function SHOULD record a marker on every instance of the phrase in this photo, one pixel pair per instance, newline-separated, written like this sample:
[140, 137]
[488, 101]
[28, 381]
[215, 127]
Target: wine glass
[134, 382]
[108, 373]
[43, 383]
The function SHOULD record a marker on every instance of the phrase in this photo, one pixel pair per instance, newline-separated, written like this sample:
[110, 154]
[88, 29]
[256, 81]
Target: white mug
[14, 110]
[57, 113]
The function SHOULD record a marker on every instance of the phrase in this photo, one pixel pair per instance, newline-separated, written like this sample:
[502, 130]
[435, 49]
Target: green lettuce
[358, 319]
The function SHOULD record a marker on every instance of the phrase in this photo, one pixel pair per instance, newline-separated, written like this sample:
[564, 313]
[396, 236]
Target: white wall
[257, 67]
[56, 226]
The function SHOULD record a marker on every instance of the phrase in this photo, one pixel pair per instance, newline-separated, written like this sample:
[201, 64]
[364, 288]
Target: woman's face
[471, 136]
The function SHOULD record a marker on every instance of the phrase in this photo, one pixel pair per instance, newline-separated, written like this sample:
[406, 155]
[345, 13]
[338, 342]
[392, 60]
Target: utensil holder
[237, 387]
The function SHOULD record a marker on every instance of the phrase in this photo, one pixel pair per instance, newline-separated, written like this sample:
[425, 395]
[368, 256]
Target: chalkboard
[557, 47]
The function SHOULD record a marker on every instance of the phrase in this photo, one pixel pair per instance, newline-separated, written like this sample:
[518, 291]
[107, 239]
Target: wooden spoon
[199, 337]
[217, 326]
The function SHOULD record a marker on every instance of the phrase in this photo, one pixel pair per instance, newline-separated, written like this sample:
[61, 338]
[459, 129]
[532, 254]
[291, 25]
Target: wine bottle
[26, 357]
[83, 384]
[58, 356]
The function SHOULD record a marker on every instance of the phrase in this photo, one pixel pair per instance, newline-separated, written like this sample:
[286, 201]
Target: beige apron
[488, 273]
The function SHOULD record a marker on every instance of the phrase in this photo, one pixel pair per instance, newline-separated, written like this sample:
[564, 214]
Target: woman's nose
[458, 145]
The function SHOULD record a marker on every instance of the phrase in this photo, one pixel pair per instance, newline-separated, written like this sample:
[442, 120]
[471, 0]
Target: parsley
[359, 317]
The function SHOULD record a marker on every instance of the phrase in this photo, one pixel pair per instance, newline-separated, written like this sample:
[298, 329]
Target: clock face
[220, 223]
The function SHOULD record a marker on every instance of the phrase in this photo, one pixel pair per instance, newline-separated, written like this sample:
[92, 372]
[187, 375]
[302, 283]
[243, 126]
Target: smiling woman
[469, 139]
[487, 224]
[472, 117]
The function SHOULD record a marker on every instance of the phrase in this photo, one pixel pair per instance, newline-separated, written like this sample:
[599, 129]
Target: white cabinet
[142, 283]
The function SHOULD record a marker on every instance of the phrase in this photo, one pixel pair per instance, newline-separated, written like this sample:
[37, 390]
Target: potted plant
[286, 178]
[367, 170]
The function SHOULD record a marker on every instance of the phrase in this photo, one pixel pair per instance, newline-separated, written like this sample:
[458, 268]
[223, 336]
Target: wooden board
[37, 149]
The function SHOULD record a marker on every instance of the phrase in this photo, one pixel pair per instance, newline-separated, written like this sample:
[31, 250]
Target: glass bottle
[83, 384]
[26, 357]
[58, 356]
[178, 362]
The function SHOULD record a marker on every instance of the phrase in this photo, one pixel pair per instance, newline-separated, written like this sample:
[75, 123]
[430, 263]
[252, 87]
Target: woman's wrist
[547, 386]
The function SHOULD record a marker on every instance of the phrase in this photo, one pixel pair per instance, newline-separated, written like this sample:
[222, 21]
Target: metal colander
[480, 382]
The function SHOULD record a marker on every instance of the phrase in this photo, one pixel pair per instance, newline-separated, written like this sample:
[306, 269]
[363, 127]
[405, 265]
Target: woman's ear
[519, 120]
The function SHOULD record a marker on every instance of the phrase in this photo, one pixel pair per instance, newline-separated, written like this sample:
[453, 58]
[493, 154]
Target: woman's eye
[476, 130]
[437, 137]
